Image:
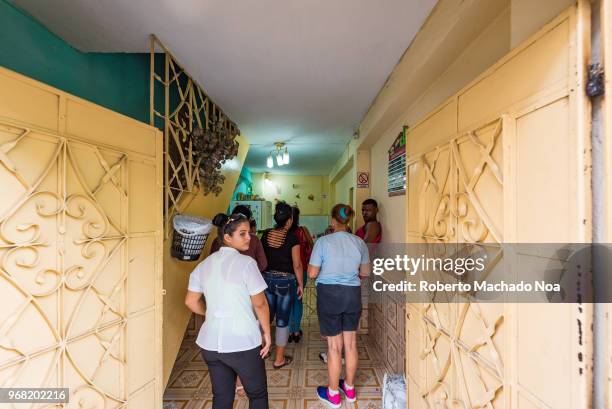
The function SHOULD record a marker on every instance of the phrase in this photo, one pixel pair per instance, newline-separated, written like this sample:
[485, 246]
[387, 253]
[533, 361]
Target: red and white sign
[363, 179]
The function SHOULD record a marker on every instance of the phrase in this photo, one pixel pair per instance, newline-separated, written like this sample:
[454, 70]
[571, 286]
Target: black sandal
[297, 337]
[288, 360]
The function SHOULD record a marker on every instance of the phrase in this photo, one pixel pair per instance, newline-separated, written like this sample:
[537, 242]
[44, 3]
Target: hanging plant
[212, 147]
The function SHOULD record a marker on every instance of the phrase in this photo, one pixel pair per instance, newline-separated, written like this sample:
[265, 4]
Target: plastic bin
[189, 237]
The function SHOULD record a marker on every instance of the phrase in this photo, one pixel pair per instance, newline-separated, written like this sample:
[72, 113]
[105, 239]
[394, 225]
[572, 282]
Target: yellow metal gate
[504, 161]
[80, 248]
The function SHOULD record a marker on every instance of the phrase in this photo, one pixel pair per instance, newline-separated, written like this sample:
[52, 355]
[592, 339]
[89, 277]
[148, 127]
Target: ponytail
[342, 213]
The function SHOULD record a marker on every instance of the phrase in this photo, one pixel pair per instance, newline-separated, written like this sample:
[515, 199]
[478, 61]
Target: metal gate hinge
[595, 84]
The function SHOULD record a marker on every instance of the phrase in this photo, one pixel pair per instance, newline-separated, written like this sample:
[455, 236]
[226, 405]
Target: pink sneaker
[350, 394]
[332, 401]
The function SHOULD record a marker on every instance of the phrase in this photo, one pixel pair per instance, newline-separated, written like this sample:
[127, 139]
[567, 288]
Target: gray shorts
[338, 308]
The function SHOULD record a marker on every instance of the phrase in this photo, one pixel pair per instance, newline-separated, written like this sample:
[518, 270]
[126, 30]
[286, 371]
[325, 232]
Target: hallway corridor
[292, 387]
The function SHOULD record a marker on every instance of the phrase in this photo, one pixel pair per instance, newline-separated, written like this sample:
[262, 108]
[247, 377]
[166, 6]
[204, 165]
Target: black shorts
[338, 308]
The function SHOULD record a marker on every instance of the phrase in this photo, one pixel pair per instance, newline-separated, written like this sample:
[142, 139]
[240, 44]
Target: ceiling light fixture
[282, 158]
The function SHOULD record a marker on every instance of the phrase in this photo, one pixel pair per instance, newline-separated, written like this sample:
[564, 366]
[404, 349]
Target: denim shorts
[281, 296]
[338, 308]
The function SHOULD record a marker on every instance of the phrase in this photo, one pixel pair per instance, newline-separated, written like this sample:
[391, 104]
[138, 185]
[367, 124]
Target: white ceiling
[299, 71]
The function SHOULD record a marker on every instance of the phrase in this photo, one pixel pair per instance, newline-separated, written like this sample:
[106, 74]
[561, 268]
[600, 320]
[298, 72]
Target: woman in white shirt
[230, 337]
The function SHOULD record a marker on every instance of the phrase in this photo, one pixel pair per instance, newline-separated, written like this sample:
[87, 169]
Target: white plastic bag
[394, 392]
[191, 225]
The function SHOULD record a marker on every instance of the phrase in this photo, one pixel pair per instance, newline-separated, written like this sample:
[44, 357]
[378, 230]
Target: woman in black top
[283, 276]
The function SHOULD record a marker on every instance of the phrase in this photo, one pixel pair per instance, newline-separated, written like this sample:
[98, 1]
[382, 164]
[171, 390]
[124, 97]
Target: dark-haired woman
[283, 276]
[306, 243]
[338, 262]
[230, 337]
[255, 249]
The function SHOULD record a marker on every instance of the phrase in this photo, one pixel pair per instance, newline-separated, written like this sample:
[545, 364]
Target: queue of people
[249, 283]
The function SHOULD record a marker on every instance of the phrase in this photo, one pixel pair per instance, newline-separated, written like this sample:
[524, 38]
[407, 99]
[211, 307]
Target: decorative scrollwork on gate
[56, 241]
[454, 209]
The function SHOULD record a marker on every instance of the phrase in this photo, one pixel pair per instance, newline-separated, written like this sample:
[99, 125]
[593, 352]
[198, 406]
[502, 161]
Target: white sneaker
[323, 357]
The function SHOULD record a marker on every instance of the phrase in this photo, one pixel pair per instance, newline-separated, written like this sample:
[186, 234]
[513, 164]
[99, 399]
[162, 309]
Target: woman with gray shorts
[338, 262]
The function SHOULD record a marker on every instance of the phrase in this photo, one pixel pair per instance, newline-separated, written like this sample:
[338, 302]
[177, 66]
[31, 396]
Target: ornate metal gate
[80, 242]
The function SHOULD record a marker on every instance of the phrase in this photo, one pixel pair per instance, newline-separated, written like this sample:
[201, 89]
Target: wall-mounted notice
[363, 179]
[396, 177]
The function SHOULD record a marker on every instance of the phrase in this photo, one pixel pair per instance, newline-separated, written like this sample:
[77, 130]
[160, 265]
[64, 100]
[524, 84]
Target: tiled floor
[292, 387]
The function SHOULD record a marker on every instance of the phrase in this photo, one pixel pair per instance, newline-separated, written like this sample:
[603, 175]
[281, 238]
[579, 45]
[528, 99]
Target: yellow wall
[491, 44]
[287, 187]
[342, 185]
[527, 16]
[472, 37]
[176, 273]
[351, 161]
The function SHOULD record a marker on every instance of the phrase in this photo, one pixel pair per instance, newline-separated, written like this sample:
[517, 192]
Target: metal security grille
[178, 105]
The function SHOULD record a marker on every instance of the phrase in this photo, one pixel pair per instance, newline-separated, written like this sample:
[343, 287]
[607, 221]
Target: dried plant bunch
[211, 148]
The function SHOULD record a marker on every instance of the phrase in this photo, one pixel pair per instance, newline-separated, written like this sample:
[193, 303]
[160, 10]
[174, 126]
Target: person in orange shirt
[371, 231]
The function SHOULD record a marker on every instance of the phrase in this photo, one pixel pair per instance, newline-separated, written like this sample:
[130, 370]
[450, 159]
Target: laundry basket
[190, 234]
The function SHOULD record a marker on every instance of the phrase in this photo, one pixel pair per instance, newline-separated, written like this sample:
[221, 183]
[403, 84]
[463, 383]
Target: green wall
[117, 81]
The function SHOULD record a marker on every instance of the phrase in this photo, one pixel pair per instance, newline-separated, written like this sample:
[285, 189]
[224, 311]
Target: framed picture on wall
[396, 169]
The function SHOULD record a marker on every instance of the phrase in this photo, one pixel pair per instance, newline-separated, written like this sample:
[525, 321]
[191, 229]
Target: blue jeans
[280, 295]
[295, 318]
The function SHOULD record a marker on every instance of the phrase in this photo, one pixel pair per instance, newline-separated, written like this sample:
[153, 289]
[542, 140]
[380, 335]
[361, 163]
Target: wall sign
[363, 179]
[396, 171]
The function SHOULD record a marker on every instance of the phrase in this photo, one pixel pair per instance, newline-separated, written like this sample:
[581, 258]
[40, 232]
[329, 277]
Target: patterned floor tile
[317, 404]
[371, 403]
[183, 353]
[279, 378]
[291, 387]
[207, 404]
[367, 377]
[197, 357]
[279, 403]
[315, 377]
[175, 404]
[189, 379]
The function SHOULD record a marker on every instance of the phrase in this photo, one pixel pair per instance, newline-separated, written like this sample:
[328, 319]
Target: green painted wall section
[117, 81]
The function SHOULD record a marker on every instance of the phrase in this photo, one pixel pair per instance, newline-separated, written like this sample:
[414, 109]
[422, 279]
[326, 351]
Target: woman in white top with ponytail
[231, 341]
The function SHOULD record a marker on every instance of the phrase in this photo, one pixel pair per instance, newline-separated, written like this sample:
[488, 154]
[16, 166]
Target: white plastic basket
[190, 225]
[190, 234]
